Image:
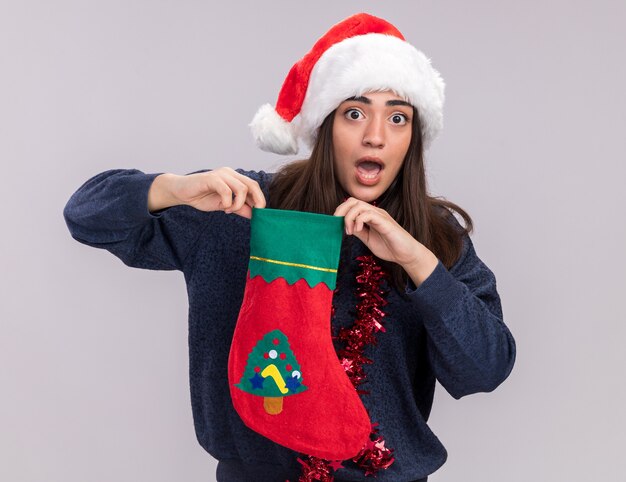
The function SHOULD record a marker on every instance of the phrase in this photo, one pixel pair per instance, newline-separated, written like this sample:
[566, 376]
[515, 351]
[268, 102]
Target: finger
[362, 235]
[376, 220]
[371, 216]
[364, 218]
[345, 206]
[351, 216]
[245, 211]
[239, 189]
[255, 195]
[350, 211]
[255, 198]
[358, 222]
[223, 191]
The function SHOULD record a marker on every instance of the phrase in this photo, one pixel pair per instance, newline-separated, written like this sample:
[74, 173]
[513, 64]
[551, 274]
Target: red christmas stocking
[285, 379]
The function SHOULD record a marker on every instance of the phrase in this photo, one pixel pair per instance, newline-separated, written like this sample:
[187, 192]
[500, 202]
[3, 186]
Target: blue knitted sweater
[449, 329]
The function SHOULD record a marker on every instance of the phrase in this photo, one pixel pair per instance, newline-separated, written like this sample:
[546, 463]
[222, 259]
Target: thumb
[245, 211]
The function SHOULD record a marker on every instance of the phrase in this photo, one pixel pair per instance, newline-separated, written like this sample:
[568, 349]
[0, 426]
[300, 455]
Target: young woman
[368, 104]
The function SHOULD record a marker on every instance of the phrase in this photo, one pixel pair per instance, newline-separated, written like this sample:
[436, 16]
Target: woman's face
[371, 136]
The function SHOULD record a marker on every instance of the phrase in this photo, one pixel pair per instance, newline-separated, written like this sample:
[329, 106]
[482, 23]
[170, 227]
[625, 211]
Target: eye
[399, 119]
[353, 114]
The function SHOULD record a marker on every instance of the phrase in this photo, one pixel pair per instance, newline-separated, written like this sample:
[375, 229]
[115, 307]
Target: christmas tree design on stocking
[285, 379]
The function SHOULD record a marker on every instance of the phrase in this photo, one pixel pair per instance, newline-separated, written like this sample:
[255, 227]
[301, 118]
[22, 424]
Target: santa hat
[359, 54]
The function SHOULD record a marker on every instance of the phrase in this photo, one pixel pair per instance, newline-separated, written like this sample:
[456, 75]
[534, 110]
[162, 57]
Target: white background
[94, 382]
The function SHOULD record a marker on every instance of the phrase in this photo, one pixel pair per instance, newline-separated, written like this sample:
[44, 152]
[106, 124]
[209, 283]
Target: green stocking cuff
[295, 245]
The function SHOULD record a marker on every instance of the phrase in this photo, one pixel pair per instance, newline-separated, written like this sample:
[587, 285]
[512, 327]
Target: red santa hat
[359, 54]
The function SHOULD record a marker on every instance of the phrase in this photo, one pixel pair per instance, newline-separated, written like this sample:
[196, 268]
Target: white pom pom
[272, 133]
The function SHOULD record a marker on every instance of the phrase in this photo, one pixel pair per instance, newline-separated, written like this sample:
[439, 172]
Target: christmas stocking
[285, 379]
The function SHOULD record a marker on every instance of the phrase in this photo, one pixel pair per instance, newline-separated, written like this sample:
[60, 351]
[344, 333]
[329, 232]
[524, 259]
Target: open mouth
[368, 170]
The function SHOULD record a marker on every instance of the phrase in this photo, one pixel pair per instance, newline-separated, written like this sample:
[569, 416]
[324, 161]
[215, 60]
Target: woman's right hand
[208, 191]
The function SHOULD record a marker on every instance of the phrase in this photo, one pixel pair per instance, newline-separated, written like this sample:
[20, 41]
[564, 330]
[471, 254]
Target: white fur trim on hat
[372, 62]
[273, 133]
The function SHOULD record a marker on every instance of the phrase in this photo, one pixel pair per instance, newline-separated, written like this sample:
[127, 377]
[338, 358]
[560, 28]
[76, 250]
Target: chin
[366, 194]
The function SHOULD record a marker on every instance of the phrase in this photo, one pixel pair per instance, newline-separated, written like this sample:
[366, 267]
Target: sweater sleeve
[469, 347]
[110, 211]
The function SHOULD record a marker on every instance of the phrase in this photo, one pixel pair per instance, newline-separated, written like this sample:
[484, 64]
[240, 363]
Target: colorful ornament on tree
[282, 348]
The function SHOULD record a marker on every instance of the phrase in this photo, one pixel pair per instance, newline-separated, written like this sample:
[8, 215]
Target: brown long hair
[310, 185]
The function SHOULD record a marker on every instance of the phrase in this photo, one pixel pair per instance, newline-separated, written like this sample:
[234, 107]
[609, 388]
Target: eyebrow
[366, 100]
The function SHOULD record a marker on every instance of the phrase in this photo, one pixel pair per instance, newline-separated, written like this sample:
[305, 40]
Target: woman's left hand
[384, 237]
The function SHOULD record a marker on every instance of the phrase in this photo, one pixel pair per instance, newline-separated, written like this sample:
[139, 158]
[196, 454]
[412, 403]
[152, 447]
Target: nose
[374, 135]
